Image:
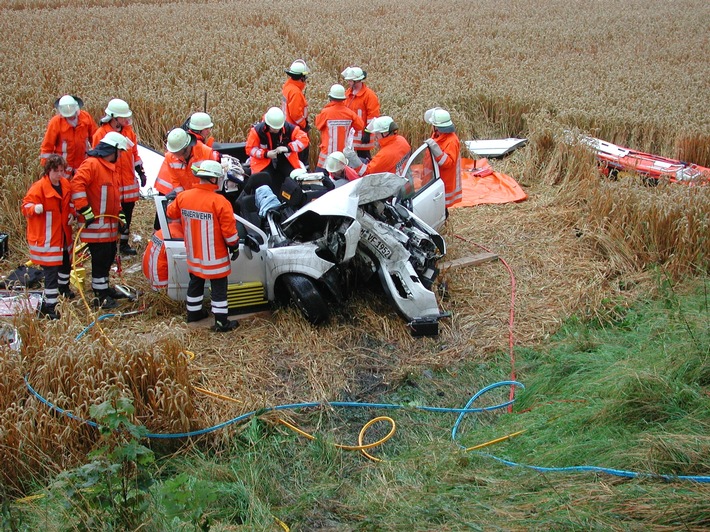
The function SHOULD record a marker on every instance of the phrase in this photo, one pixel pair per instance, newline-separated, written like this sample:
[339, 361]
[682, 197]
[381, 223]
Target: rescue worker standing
[293, 100]
[211, 243]
[363, 100]
[118, 119]
[446, 149]
[183, 150]
[274, 145]
[97, 197]
[200, 125]
[69, 133]
[335, 122]
[393, 154]
[48, 209]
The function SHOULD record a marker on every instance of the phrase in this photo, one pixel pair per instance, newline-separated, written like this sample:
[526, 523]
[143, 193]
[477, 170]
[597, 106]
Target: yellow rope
[491, 442]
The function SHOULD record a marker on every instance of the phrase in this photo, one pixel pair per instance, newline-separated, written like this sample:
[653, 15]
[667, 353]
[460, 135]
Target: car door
[424, 192]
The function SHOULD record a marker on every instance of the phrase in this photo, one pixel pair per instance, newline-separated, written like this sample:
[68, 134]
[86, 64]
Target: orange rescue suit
[97, 183]
[293, 102]
[70, 142]
[125, 165]
[334, 123]
[49, 232]
[260, 140]
[392, 156]
[209, 226]
[155, 258]
[450, 165]
[176, 173]
[367, 106]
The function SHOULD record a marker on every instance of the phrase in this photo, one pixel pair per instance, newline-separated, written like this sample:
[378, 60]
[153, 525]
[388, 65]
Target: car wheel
[306, 297]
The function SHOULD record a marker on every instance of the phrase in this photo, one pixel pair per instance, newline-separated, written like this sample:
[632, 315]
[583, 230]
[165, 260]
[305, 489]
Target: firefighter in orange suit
[211, 243]
[363, 100]
[446, 149]
[118, 119]
[155, 258]
[183, 151]
[96, 193]
[274, 145]
[293, 100]
[68, 134]
[48, 209]
[335, 122]
[200, 125]
[393, 154]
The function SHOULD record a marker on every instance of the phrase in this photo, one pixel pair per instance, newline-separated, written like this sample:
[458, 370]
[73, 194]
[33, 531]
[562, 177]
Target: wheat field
[631, 72]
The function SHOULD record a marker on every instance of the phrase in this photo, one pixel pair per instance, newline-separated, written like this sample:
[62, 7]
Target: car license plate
[376, 243]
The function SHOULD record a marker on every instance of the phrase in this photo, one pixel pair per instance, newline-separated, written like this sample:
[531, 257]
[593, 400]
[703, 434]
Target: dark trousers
[54, 276]
[127, 209]
[102, 256]
[195, 295]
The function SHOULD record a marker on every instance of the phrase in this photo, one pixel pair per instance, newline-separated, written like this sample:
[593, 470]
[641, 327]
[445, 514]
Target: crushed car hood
[344, 200]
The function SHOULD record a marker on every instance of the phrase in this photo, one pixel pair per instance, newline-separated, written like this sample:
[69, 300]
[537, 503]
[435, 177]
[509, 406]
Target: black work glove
[365, 137]
[141, 175]
[307, 127]
[122, 223]
[234, 252]
[88, 215]
[170, 196]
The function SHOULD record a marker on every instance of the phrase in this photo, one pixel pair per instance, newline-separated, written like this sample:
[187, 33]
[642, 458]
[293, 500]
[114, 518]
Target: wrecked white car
[318, 256]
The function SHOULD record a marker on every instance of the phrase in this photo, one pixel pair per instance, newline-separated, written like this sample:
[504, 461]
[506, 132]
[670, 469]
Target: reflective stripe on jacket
[450, 165]
[260, 140]
[70, 142]
[293, 102]
[334, 123]
[125, 165]
[48, 233]
[209, 226]
[367, 106]
[393, 155]
[176, 173]
[97, 183]
[155, 258]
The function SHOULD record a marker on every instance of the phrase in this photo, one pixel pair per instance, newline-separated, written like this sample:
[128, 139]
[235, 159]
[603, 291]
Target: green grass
[631, 395]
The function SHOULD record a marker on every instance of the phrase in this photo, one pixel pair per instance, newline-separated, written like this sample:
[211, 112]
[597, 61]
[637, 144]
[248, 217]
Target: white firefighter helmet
[298, 68]
[353, 73]
[200, 121]
[335, 162]
[275, 118]
[208, 169]
[382, 124]
[178, 139]
[116, 140]
[118, 108]
[438, 117]
[67, 106]
[337, 92]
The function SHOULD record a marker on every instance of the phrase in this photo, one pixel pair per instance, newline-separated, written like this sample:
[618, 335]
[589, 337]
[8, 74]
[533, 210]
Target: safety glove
[122, 223]
[141, 175]
[234, 252]
[353, 160]
[39, 208]
[434, 147]
[88, 215]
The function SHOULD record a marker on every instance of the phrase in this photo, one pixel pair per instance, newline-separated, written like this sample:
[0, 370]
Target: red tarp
[482, 185]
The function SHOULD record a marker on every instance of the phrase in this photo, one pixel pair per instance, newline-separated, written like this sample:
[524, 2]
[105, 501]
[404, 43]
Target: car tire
[306, 297]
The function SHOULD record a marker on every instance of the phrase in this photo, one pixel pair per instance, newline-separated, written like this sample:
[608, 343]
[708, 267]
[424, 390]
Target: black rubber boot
[126, 249]
[65, 291]
[115, 294]
[224, 325]
[197, 315]
[104, 300]
[49, 311]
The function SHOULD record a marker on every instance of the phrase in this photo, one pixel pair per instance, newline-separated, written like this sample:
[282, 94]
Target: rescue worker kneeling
[211, 243]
